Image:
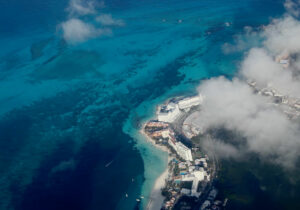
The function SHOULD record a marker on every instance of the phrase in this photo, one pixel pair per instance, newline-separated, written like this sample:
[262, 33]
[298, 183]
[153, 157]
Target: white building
[284, 61]
[195, 177]
[184, 151]
[172, 143]
[165, 133]
[169, 113]
[185, 191]
[205, 205]
[188, 103]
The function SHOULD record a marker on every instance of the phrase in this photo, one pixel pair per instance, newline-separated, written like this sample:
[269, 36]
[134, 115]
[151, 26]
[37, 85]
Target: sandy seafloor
[71, 114]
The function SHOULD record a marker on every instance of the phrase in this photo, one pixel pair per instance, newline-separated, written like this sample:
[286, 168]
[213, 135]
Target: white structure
[185, 191]
[205, 205]
[195, 177]
[172, 143]
[184, 151]
[192, 126]
[201, 161]
[187, 103]
[165, 133]
[284, 61]
[180, 148]
[169, 113]
[199, 176]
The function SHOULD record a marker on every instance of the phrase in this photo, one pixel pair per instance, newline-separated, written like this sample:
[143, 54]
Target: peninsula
[189, 179]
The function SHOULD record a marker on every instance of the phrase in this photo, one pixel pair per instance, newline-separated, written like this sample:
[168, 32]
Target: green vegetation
[176, 170]
[196, 140]
[253, 184]
[166, 193]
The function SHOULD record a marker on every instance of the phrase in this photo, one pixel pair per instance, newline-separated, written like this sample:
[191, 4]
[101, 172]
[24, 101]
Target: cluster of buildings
[291, 105]
[163, 134]
[211, 203]
[189, 172]
[195, 173]
[185, 168]
[170, 203]
[183, 151]
[283, 59]
[173, 110]
[189, 179]
[187, 103]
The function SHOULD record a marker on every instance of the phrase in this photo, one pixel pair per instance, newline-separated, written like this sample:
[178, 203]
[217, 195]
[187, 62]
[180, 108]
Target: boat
[108, 164]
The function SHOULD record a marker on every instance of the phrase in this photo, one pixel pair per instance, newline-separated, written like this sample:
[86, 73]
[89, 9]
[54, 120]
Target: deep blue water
[70, 113]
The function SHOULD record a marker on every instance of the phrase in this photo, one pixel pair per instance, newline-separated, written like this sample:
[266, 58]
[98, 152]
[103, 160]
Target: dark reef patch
[69, 65]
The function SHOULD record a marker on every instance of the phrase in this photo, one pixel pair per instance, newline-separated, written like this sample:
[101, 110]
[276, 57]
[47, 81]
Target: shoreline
[156, 199]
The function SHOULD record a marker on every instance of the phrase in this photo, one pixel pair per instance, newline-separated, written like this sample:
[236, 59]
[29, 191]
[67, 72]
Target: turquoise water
[70, 114]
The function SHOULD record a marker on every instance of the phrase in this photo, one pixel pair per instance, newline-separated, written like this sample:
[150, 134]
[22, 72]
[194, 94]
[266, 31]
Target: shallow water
[70, 114]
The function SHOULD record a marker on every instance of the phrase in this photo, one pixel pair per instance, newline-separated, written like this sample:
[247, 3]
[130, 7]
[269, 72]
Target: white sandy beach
[156, 199]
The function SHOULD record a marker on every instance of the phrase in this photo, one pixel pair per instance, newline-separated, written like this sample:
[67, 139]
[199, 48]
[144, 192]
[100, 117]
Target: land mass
[188, 182]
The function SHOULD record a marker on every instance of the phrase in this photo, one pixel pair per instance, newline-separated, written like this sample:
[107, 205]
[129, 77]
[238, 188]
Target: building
[185, 191]
[165, 133]
[169, 113]
[188, 103]
[284, 61]
[205, 205]
[182, 165]
[195, 177]
[154, 124]
[184, 151]
[172, 142]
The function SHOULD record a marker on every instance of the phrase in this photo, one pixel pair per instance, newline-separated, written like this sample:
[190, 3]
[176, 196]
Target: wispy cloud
[81, 7]
[75, 31]
[293, 7]
[108, 20]
[267, 130]
[232, 104]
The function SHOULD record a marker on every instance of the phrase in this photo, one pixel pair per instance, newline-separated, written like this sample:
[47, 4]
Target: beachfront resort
[190, 172]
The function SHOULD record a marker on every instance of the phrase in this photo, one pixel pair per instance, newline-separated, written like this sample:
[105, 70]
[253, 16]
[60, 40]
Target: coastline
[156, 199]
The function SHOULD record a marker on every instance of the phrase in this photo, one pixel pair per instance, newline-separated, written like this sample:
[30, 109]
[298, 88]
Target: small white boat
[126, 195]
[108, 164]
[138, 200]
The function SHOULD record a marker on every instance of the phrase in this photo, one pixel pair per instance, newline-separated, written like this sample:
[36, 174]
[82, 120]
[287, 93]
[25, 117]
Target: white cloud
[81, 7]
[107, 20]
[233, 104]
[283, 35]
[292, 7]
[220, 149]
[243, 41]
[75, 31]
[261, 67]
[267, 130]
